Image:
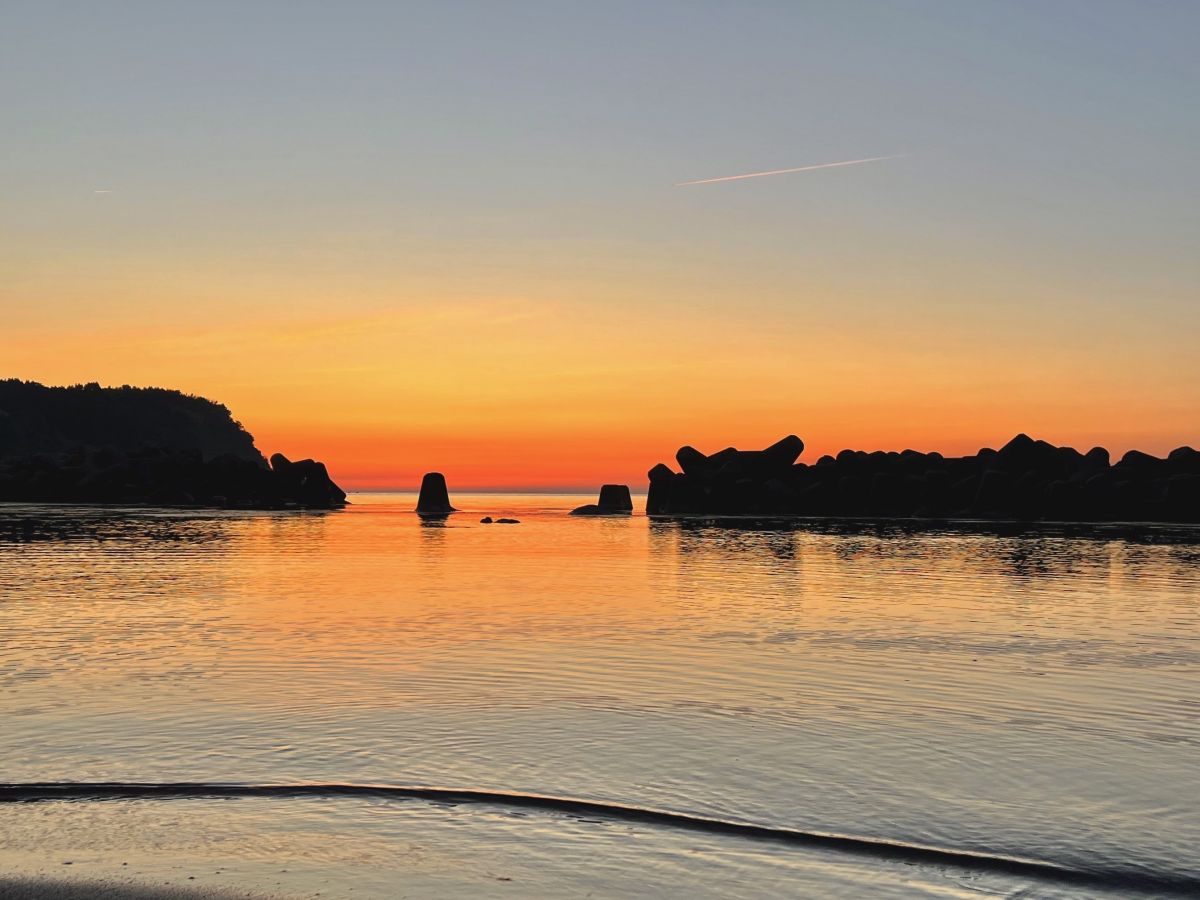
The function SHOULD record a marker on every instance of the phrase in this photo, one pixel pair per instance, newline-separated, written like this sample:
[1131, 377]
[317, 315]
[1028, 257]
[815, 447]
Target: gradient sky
[403, 237]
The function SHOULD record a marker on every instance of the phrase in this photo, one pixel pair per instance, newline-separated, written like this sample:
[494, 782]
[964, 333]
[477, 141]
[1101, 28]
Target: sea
[364, 703]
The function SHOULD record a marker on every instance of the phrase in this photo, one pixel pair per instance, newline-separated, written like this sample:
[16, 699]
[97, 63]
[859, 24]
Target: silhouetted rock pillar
[435, 498]
[615, 498]
[614, 501]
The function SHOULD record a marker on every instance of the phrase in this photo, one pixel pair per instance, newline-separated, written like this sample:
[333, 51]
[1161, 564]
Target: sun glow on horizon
[515, 392]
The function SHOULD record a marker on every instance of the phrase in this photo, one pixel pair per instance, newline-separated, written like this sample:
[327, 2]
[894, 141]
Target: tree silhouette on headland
[35, 418]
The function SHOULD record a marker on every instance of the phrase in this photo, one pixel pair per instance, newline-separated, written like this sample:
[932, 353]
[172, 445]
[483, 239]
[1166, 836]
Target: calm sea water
[1032, 695]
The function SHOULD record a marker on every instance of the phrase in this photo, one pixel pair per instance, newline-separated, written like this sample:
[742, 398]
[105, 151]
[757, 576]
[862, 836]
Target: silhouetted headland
[1026, 479]
[615, 500]
[142, 446]
[434, 499]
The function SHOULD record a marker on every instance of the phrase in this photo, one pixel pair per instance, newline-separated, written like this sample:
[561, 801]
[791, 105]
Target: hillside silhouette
[35, 418]
[151, 446]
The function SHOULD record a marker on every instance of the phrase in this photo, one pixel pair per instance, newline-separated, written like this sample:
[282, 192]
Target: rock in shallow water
[434, 499]
[616, 497]
[615, 500]
[307, 481]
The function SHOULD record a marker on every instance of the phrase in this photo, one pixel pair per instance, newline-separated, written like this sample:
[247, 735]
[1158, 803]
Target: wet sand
[106, 889]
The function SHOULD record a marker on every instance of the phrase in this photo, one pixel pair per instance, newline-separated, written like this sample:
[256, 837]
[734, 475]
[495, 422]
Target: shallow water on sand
[1014, 694]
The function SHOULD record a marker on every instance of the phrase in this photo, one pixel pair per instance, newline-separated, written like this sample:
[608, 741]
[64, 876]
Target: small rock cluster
[1025, 479]
[158, 476]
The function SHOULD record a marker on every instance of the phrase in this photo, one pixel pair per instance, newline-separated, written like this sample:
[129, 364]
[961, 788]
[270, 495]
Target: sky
[402, 237]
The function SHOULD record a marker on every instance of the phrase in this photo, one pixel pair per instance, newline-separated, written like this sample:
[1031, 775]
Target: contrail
[832, 165]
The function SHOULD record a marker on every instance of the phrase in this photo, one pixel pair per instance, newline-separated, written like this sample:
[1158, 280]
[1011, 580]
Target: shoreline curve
[878, 848]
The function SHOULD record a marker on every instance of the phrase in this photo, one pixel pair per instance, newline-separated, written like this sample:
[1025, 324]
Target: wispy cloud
[102, 191]
[830, 165]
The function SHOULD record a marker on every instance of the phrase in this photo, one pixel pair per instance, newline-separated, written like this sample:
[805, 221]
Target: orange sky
[511, 392]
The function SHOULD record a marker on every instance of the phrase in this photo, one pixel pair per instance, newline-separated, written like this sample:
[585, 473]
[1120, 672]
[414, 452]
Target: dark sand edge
[21, 887]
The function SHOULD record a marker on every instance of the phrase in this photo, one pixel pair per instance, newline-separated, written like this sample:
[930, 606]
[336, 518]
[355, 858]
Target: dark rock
[434, 499]
[508, 521]
[1184, 461]
[657, 494]
[750, 463]
[614, 500]
[169, 477]
[1136, 459]
[816, 499]
[933, 491]
[994, 493]
[779, 496]
[1069, 459]
[721, 457]
[852, 494]
[893, 494]
[1061, 498]
[1181, 497]
[305, 482]
[486, 520]
[692, 461]
[1024, 454]
[1026, 479]
[616, 497]
[660, 473]
[786, 451]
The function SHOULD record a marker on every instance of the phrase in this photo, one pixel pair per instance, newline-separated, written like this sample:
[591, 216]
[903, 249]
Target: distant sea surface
[1012, 694]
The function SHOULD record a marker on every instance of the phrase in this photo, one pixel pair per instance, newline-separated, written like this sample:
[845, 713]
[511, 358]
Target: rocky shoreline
[145, 447]
[1026, 479]
[155, 476]
[88, 444]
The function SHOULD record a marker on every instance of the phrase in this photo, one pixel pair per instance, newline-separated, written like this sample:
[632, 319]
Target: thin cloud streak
[832, 165]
